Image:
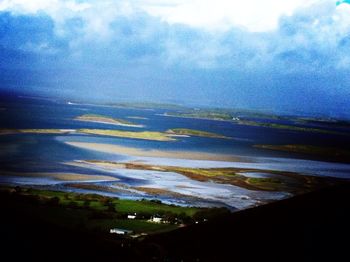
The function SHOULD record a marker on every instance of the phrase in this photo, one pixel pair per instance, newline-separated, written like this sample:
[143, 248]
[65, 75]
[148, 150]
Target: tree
[72, 204]
[86, 203]
[111, 207]
[170, 217]
[106, 201]
[54, 201]
[185, 219]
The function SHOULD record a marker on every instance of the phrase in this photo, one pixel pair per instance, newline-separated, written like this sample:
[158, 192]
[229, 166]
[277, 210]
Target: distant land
[330, 153]
[148, 105]
[263, 120]
[192, 132]
[344, 119]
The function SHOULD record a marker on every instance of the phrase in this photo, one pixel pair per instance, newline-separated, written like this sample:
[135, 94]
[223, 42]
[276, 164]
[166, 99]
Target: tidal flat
[185, 161]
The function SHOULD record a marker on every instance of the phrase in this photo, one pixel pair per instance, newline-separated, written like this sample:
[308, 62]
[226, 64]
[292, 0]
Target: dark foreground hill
[312, 227]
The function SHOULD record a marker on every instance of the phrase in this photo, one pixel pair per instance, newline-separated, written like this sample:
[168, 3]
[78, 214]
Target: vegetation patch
[101, 213]
[193, 132]
[288, 127]
[34, 131]
[331, 153]
[211, 115]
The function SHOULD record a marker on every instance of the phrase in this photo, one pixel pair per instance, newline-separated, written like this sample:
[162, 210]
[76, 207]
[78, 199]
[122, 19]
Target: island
[201, 114]
[251, 118]
[288, 127]
[168, 135]
[145, 135]
[328, 153]
[106, 120]
[193, 132]
[35, 131]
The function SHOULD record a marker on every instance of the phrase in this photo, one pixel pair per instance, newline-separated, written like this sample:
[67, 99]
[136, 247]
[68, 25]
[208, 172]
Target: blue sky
[278, 55]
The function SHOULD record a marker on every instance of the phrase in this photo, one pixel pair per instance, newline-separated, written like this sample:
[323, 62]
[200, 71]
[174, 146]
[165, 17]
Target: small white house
[120, 231]
[132, 216]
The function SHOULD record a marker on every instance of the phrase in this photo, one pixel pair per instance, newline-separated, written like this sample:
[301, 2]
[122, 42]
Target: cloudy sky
[290, 55]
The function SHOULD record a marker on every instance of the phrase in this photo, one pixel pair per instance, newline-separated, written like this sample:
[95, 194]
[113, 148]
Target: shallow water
[48, 153]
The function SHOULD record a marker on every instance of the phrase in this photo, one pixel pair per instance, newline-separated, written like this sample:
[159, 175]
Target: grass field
[96, 212]
[123, 206]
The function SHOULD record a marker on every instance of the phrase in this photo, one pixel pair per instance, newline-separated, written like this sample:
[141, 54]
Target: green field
[122, 206]
[96, 212]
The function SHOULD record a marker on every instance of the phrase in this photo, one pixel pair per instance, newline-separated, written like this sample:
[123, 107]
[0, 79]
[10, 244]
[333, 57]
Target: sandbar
[122, 150]
[105, 120]
[61, 176]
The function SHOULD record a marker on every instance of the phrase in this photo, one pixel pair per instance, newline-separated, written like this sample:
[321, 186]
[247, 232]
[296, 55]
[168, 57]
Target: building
[132, 216]
[120, 231]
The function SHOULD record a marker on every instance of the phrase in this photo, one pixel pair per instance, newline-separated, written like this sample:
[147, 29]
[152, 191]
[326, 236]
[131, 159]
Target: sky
[285, 56]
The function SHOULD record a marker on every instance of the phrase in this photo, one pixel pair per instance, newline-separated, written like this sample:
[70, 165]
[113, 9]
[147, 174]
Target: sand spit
[122, 150]
[60, 176]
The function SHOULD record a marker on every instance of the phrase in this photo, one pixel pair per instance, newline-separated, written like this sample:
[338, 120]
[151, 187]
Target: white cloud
[308, 35]
[253, 15]
[48, 6]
